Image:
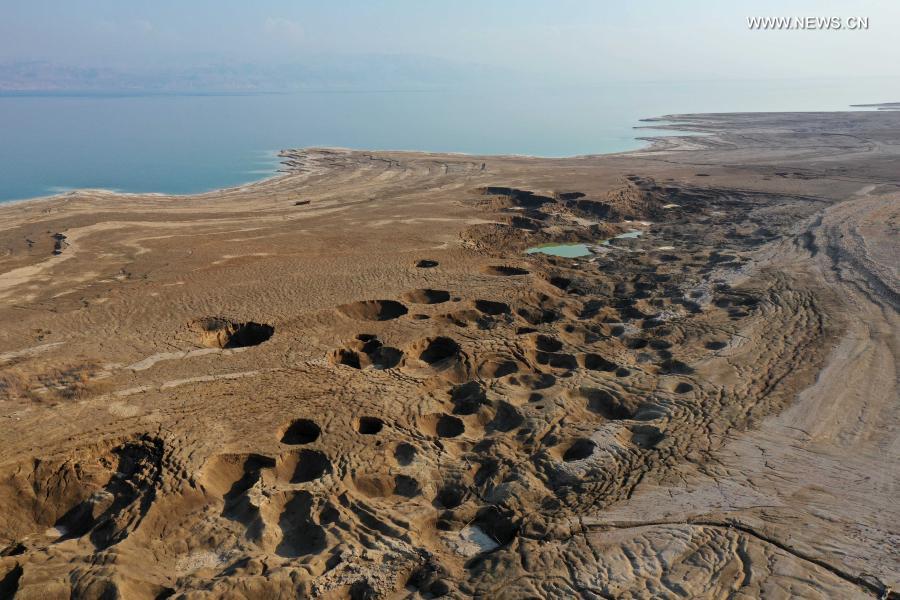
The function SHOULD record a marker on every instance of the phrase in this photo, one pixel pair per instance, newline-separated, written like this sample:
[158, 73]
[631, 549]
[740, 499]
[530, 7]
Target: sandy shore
[349, 380]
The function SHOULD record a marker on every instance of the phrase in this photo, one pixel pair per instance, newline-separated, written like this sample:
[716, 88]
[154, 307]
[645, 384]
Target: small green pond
[563, 250]
[577, 250]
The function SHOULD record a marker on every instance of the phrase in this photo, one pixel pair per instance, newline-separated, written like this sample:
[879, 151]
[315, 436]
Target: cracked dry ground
[350, 381]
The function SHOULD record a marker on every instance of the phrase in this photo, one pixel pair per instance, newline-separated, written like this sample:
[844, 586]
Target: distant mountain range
[361, 72]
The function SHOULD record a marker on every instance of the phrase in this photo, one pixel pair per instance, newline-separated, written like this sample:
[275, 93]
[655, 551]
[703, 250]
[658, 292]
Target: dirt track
[350, 381]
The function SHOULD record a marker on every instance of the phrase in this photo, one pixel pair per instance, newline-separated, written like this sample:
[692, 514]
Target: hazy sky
[577, 40]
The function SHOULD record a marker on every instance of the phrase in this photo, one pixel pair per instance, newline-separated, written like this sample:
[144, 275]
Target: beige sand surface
[349, 381]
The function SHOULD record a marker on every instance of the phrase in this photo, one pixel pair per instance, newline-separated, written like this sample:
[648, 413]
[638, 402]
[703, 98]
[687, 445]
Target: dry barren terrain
[351, 381]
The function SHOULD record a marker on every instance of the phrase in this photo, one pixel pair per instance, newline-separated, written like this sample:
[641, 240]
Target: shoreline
[651, 143]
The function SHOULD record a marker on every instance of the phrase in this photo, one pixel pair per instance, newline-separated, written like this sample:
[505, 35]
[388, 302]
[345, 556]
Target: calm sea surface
[185, 144]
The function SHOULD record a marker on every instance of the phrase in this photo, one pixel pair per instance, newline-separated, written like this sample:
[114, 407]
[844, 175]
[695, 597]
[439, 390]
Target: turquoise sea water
[186, 144]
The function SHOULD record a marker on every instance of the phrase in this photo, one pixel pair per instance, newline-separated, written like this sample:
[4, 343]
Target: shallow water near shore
[192, 143]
